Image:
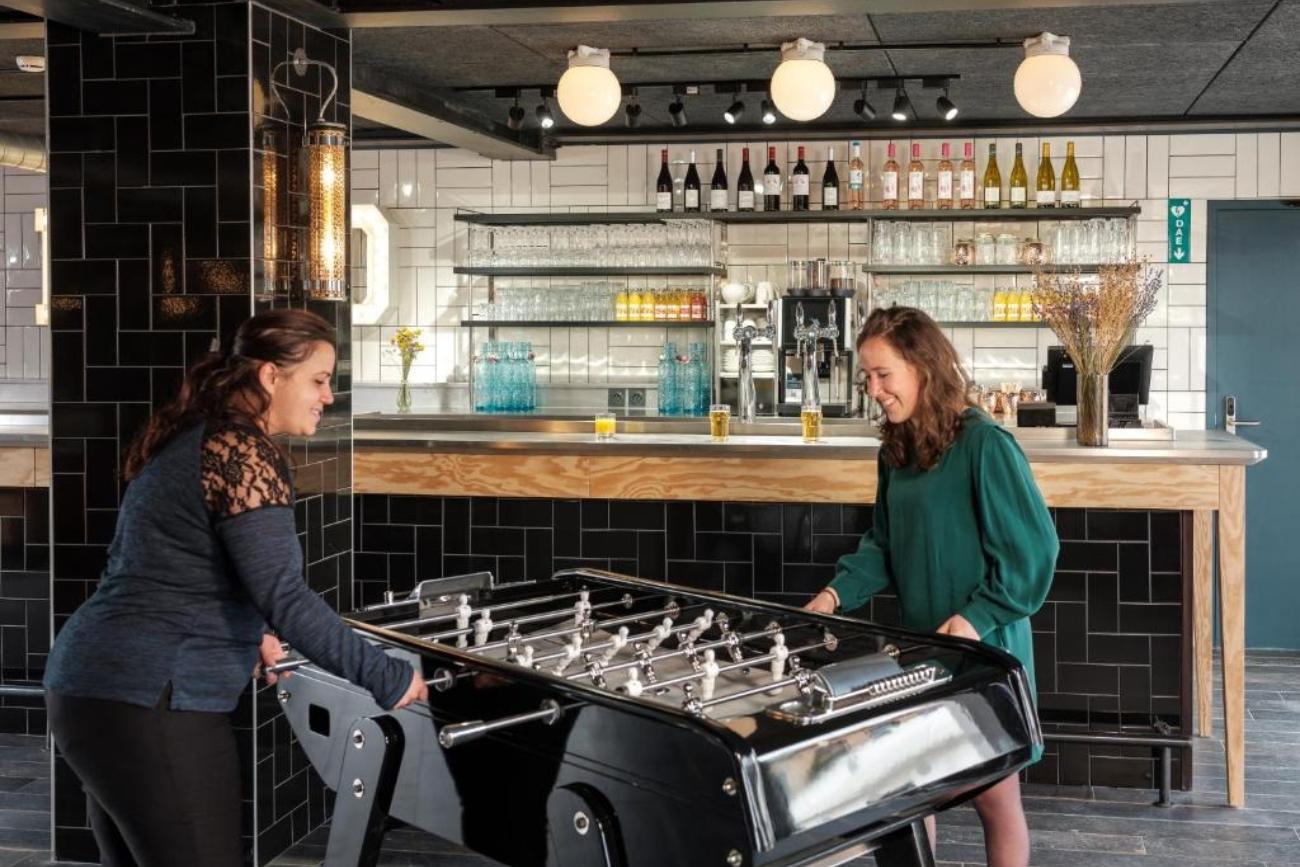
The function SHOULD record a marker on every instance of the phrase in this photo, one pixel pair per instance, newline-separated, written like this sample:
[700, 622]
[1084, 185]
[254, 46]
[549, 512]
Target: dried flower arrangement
[1095, 318]
[407, 343]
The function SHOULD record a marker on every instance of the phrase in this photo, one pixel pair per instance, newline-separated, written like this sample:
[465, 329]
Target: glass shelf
[1111, 208]
[610, 271]
[975, 269]
[569, 323]
[946, 324]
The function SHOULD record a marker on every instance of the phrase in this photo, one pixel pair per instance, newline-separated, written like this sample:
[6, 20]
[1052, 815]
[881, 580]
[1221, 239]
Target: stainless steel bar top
[844, 439]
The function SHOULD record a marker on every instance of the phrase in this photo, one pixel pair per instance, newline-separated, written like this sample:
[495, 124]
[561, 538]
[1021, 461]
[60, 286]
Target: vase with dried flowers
[1095, 318]
[407, 343]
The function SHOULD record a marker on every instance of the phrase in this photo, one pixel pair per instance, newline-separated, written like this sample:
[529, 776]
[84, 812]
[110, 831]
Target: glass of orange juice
[606, 422]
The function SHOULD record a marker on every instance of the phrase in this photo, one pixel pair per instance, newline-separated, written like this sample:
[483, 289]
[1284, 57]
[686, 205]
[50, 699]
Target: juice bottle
[1000, 305]
[647, 305]
[620, 306]
[633, 305]
[661, 304]
[683, 299]
[699, 306]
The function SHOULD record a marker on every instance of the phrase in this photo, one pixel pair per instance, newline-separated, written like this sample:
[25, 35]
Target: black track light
[769, 113]
[544, 116]
[632, 115]
[902, 106]
[864, 109]
[734, 111]
[677, 112]
[947, 108]
[515, 118]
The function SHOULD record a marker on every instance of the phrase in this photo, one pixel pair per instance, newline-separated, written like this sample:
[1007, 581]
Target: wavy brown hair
[223, 385]
[937, 419]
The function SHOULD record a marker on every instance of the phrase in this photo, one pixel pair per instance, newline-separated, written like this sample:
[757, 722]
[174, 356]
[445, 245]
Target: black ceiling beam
[483, 13]
[104, 17]
[736, 85]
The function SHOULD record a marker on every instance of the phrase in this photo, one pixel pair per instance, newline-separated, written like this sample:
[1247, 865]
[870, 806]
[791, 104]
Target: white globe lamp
[589, 93]
[803, 86]
[1048, 81]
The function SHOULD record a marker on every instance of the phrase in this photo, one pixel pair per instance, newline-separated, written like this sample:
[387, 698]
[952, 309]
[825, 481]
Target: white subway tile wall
[24, 346]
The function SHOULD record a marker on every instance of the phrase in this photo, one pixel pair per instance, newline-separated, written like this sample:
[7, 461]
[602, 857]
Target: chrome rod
[586, 624]
[459, 733]
[744, 663]
[518, 603]
[558, 614]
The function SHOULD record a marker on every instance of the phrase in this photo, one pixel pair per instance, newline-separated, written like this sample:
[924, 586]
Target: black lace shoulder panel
[242, 470]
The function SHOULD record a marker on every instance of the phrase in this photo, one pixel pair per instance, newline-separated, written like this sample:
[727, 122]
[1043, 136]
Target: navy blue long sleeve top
[205, 559]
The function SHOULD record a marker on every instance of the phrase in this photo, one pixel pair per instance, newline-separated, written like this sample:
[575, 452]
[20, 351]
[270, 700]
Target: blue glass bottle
[668, 380]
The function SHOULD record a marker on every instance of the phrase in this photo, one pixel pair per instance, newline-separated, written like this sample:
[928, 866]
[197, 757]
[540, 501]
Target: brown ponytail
[223, 386]
[937, 420]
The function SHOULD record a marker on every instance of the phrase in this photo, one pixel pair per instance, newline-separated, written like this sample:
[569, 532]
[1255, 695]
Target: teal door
[1253, 355]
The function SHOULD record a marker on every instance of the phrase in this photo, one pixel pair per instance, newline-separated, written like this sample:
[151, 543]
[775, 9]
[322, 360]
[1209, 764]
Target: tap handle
[798, 314]
[830, 314]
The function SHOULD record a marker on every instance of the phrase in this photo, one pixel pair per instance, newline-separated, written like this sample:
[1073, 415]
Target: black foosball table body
[599, 720]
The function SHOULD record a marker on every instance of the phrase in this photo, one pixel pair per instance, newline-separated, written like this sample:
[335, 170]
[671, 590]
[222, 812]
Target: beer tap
[808, 334]
[832, 333]
[744, 335]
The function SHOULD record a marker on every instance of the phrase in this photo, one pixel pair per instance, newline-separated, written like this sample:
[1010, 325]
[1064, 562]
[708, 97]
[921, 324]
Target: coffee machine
[816, 331]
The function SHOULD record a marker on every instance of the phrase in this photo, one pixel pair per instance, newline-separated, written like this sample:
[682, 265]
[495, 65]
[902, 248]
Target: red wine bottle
[718, 186]
[664, 186]
[691, 188]
[799, 182]
[771, 183]
[745, 184]
[830, 184]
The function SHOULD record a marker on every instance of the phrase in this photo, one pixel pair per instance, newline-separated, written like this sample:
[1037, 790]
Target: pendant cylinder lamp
[1047, 82]
[803, 86]
[327, 191]
[589, 93]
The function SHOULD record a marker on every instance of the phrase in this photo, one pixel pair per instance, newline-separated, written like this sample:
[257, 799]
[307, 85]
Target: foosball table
[601, 720]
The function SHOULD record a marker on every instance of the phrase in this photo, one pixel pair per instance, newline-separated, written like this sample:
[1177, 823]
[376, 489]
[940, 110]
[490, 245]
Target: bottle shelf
[568, 323]
[974, 269]
[540, 271]
[946, 324]
[982, 215]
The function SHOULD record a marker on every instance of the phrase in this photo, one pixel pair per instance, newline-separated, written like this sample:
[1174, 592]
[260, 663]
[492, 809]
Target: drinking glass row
[591, 302]
[672, 243]
[1075, 242]
[944, 300]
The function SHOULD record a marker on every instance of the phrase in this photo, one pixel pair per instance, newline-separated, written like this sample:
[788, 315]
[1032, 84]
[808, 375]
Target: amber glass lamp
[327, 192]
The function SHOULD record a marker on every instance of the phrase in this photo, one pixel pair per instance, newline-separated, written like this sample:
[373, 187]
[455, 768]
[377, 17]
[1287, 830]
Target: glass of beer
[719, 422]
[606, 422]
[811, 418]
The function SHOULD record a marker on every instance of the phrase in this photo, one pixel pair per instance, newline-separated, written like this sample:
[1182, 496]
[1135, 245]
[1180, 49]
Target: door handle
[1230, 420]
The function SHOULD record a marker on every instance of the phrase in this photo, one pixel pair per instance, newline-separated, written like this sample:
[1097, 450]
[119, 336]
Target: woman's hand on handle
[824, 602]
[417, 691]
[958, 626]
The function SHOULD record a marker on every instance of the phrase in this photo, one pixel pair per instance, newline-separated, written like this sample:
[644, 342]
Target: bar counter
[1201, 473]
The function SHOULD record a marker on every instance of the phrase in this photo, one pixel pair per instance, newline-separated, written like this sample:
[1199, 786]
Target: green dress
[971, 536]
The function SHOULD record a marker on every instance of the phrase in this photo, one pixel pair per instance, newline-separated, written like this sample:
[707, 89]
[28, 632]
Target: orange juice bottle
[620, 306]
[647, 305]
[1000, 305]
[633, 305]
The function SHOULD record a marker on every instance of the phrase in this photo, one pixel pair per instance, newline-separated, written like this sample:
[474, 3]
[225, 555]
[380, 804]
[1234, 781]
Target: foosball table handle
[470, 730]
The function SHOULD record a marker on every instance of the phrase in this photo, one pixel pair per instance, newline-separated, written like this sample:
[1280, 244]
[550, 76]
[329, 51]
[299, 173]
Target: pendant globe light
[589, 93]
[803, 86]
[1048, 82]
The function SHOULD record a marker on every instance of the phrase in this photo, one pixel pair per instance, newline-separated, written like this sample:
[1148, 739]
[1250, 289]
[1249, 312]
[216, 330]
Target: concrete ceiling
[1167, 60]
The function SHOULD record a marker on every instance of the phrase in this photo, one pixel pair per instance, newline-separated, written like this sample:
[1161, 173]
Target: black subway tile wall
[164, 242]
[24, 603]
[1110, 644]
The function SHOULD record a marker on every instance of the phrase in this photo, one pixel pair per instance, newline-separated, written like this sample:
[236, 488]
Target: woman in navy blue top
[204, 580]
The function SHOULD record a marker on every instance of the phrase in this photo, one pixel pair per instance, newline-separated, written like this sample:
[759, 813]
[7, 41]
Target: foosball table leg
[364, 792]
[909, 846]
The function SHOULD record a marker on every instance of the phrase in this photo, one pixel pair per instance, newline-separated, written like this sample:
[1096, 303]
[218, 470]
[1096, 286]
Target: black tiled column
[156, 208]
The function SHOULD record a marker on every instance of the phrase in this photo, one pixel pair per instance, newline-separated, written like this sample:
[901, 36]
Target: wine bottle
[857, 180]
[691, 188]
[1070, 179]
[718, 186]
[771, 183]
[1019, 180]
[1045, 195]
[992, 180]
[916, 178]
[664, 186]
[943, 197]
[967, 179]
[745, 184]
[830, 184]
[799, 184]
[889, 181]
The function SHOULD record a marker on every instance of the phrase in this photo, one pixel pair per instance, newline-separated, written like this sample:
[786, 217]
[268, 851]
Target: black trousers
[163, 785]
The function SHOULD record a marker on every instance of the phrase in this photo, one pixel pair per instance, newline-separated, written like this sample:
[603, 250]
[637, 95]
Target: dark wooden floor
[1070, 827]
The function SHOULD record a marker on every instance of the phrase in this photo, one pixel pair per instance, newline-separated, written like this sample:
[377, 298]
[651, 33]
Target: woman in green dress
[959, 529]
